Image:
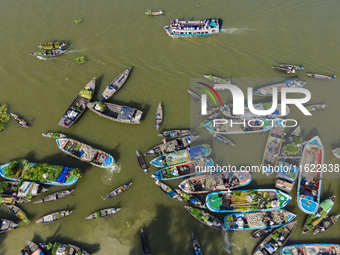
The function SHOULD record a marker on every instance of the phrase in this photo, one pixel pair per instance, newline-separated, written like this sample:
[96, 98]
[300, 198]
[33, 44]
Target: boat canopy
[126, 113]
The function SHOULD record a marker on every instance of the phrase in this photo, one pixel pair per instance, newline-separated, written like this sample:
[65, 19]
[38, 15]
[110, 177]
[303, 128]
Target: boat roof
[126, 113]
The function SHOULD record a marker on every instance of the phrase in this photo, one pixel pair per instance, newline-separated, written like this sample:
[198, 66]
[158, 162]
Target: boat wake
[41, 58]
[230, 247]
[108, 175]
[233, 30]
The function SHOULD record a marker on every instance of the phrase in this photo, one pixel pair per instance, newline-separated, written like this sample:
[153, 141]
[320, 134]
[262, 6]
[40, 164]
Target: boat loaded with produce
[63, 249]
[311, 249]
[268, 89]
[169, 191]
[22, 189]
[205, 218]
[193, 27]
[18, 213]
[32, 249]
[191, 199]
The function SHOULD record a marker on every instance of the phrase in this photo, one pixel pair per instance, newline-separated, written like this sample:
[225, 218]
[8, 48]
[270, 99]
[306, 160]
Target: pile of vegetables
[4, 116]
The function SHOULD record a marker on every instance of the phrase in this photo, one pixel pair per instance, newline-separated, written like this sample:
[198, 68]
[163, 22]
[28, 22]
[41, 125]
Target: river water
[115, 35]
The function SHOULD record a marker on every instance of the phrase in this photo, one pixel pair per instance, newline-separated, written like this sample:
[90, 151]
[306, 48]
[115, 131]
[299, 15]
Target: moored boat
[144, 241]
[183, 170]
[310, 249]
[53, 216]
[169, 191]
[195, 244]
[53, 135]
[268, 89]
[18, 213]
[315, 107]
[196, 97]
[141, 162]
[20, 121]
[258, 219]
[64, 249]
[193, 28]
[159, 116]
[115, 85]
[85, 153]
[207, 182]
[118, 191]
[52, 45]
[216, 79]
[274, 241]
[205, 218]
[78, 105]
[172, 134]
[191, 199]
[283, 69]
[12, 200]
[309, 184]
[326, 224]
[54, 196]
[115, 112]
[246, 200]
[289, 66]
[33, 248]
[24, 189]
[261, 232]
[222, 139]
[211, 111]
[183, 156]
[336, 152]
[49, 53]
[6, 225]
[103, 213]
[321, 76]
[151, 13]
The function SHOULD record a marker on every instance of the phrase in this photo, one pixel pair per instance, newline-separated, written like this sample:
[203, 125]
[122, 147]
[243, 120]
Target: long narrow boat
[52, 45]
[205, 218]
[54, 196]
[261, 232]
[315, 107]
[268, 89]
[309, 185]
[283, 69]
[144, 241]
[210, 111]
[196, 97]
[311, 249]
[141, 162]
[6, 225]
[227, 110]
[195, 244]
[159, 116]
[169, 191]
[12, 200]
[78, 105]
[258, 219]
[85, 153]
[216, 78]
[239, 126]
[183, 156]
[54, 216]
[21, 189]
[115, 85]
[115, 112]
[172, 134]
[65, 177]
[246, 200]
[207, 182]
[103, 213]
[18, 213]
[185, 28]
[151, 13]
[20, 121]
[53, 135]
[222, 139]
[49, 53]
[336, 152]
[290, 66]
[274, 241]
[326, 224]
[183, 170]
[191, 199]
[321, 76]
[273, 147]
[171, 146]
[65, 249]
[118, 191]
[289, 164]
[33, 248]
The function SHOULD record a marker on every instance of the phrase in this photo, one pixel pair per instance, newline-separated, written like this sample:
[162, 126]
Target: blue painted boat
[310, 177]
[310, 249]
[186, 28]
[258, 219]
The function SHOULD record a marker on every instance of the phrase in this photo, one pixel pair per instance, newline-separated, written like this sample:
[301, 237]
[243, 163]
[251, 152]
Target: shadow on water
[97, 91]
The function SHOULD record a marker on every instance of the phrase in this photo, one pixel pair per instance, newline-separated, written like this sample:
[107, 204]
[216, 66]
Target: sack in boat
[86, 93]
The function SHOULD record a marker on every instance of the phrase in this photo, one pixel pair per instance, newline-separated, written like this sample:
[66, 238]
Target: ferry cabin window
[181, 33]
[189, 33]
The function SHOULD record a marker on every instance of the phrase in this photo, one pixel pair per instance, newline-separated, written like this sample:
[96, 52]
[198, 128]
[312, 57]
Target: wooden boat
[159, 116]
[85, 153]
[171, 146]
[183, 156]
[261, 232]
[118, 191]
[151, 13]
[309, 185]
[216, 79]
[273, 242]
[181, 28]
[233, 126]
[268, 89]
[258, 219]
[191, 199]
[273, 147]
[78, 105]
[195, 244]
[289, 164]
[211, 110]
[49, 53]
[205, 218]
[321, 76]
[207, 182]
[289, 66]
[115, 112]
[33, 248]
[54, 196]
[283, 69]
[169, 191]
[17, 165]
[172, 134]
[54, 216]
[196, 97]
[18, 213]
[315, 107]
[6, 225]
[53, 135]
[103, 213]
[246, 200]
[144, 241]
[227, 110]
[311, 249]
[141, 162]
[115, 85]
[66, 249]
[313, 221]
[12, 200]
[52, 45]
[183, 170]
[336, 152]
[326, 224]
[20, 121]
[222, 139]
[21, 189]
